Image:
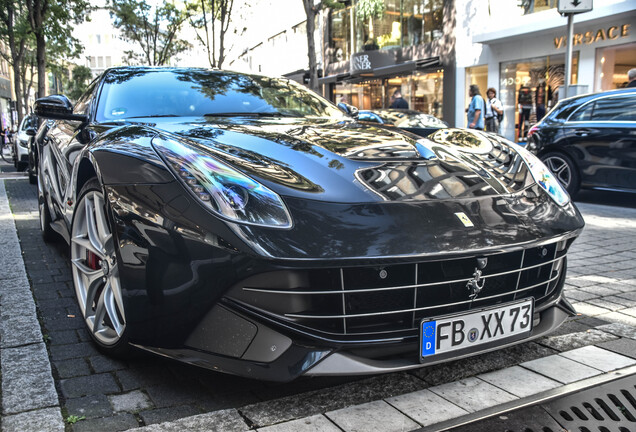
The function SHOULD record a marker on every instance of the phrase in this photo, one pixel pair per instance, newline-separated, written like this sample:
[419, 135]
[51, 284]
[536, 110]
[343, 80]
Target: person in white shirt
[494, 109]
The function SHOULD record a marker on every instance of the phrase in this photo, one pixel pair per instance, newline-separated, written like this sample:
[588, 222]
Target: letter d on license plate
[463, 331]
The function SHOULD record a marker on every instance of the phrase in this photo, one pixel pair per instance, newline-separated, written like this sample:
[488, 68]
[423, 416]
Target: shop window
[340, 30]
[528, 89]
[612, 65]
[433, 20]
[383, 25]
[423, 91]
[427, 93]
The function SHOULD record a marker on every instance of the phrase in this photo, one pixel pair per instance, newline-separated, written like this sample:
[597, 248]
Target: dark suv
[589, 141]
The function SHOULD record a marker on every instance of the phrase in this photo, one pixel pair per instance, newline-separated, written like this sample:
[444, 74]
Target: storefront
[401, 47]
[526, 64]
[5, 104]
[422, 90]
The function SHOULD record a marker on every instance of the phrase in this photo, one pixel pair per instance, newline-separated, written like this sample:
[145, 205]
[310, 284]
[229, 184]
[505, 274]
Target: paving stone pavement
[153, 394]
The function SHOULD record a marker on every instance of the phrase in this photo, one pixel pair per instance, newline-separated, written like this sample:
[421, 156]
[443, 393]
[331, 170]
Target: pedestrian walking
[475, 111]
[397, 101]
[494, 111]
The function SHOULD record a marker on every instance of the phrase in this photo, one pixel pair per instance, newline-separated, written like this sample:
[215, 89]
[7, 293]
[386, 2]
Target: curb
[29, 399]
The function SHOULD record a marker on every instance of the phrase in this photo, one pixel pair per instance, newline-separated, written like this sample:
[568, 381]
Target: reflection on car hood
[351, 162]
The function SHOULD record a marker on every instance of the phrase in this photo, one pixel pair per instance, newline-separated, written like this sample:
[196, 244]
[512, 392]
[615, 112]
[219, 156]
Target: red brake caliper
[92, 260]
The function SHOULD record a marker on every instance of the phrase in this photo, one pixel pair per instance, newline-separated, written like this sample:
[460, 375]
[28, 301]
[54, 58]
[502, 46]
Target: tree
[312, 8]
[14, 28]
[80, 79]
[51, 22]
[211, 16]
[153, 28]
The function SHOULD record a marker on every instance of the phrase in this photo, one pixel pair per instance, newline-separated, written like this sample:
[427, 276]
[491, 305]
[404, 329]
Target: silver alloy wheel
[560, 168]
[95, 270]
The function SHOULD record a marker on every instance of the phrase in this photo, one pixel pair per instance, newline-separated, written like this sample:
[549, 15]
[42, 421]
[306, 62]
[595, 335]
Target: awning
[333, 78]
[384, 71]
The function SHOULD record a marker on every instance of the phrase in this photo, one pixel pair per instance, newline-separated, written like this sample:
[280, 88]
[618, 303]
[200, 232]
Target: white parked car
[21, 142]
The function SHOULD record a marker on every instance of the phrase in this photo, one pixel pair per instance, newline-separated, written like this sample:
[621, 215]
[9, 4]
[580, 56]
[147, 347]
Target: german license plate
[457, 332]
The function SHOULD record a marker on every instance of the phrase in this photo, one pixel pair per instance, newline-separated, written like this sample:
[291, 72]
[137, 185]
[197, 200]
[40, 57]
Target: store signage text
[361, 63]
[590, 37]
[368, 60]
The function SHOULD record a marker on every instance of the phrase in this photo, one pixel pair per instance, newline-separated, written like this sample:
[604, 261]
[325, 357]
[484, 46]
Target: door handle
[582, 132]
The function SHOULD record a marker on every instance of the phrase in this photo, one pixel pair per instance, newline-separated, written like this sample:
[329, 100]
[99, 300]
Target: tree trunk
[16, 53]
[311, 12]
[41, 62]
[37, 10]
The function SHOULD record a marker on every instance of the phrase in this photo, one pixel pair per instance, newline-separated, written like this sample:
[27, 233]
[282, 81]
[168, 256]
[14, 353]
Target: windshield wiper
[247, 114]
[152, 116]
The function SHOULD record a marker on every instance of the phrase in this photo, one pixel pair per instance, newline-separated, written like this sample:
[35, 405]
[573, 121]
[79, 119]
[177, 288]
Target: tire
[564, 170]
[95, 270]
[5, 152]
[33, 177]
[48, 234]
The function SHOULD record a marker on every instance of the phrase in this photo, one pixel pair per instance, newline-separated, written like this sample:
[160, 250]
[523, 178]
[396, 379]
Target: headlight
[544, 177]
[222, 189]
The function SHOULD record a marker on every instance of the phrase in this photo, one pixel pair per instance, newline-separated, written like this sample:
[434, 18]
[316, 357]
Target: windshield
[139, 93]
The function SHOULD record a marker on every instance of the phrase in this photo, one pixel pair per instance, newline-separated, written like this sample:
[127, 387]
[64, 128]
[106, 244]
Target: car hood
[346, 161]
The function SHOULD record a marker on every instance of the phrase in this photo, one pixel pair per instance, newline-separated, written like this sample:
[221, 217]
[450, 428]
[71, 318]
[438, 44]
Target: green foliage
[366, 9]
[152, 28]
[78, 83]
[72, 419]
[60, 21]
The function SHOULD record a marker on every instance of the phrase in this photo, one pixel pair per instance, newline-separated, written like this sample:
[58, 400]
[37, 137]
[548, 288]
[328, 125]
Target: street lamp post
[570, 8]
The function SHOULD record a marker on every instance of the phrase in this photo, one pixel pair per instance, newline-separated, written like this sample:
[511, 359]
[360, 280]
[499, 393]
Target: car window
[618, 108]
[83, 103]
[584, 113]
[28, 122]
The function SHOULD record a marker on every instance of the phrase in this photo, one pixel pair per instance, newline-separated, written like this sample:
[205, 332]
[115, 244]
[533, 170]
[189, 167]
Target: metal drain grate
[532, 419]
[607, 408]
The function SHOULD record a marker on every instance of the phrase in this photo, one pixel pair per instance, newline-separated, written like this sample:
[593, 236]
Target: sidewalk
[29, 398]
[597, 346]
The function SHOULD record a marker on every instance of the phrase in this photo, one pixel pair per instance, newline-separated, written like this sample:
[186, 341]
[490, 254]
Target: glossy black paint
[178, 260]
[406, 120]
[602, 150]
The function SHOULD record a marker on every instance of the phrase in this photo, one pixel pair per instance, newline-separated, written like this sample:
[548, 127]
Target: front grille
[389, 301]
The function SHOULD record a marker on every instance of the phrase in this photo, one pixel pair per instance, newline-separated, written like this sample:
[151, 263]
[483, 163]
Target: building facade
[6, 92]
[432, 50]
[524, 59]
[406, 45]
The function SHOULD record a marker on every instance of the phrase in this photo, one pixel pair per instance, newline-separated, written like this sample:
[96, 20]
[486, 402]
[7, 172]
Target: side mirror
[348, 109]
[30, 131]
[57, 107]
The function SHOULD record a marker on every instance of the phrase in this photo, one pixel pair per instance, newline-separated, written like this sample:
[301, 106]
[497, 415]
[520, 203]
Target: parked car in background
[589, 141]
[245, 224]
[21, 141]
[408, 120]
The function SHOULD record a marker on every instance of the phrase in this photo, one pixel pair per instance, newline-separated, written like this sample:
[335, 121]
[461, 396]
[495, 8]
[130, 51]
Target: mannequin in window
[524, 101]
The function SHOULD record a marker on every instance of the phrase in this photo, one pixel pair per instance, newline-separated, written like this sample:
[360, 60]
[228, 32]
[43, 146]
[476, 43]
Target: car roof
[630, 90]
